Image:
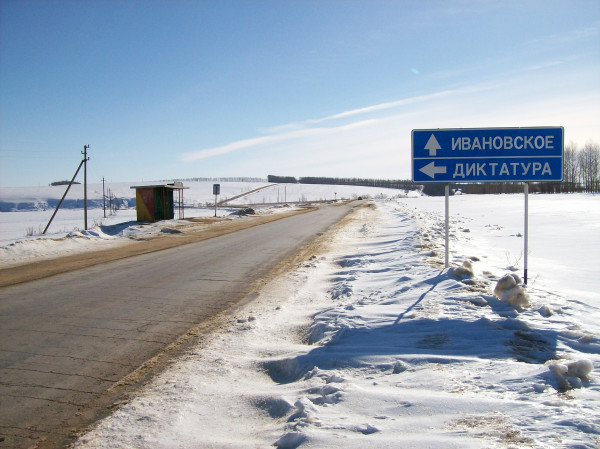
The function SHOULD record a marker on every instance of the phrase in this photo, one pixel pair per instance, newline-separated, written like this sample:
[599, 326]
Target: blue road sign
[487, 154]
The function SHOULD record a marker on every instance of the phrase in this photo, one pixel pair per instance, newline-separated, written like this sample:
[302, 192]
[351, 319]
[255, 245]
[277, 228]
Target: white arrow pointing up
[431, 170]
[432, 145]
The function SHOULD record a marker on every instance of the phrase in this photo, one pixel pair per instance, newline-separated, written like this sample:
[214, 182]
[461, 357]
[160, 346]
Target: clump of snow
[291, 440]
[244, 211]
[580, 368]
[545, 311]
[276, 407]
[572, 374]
[509, 290]
[465, 271]
[400, 367]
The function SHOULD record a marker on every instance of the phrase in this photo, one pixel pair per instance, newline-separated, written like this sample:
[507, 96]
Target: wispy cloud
[270, 140]
[228, 148]
[308, 128]
[389, 105]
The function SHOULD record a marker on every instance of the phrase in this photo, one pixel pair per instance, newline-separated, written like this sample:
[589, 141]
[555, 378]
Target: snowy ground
[372, 343]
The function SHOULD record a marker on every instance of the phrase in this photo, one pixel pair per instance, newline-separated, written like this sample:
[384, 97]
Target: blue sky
[182, 88]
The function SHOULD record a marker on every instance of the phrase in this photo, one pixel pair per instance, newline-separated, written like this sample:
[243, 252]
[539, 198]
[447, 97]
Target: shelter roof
[176, 185]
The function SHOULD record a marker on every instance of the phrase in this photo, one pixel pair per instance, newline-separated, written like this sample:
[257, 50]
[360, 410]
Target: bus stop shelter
[156, 202]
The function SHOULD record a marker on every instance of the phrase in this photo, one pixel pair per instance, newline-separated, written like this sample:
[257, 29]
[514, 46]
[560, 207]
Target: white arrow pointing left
[431, 170]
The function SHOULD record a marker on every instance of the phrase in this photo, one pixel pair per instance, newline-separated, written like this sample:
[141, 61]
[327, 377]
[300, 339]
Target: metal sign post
[216, 192]
[447, 221]
[526, 232]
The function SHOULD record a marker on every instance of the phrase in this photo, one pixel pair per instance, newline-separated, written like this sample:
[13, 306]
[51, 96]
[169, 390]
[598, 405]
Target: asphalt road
[68, 341]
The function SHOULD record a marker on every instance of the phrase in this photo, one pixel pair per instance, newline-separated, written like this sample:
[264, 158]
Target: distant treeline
[581, 168]
[401, 184]
[282, 179]
[63, 183]
[404, 184]
[230, 179]
[483, 188]
[513, 187]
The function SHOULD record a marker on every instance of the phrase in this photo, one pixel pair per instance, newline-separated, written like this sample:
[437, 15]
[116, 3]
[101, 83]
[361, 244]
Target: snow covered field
[372, 343]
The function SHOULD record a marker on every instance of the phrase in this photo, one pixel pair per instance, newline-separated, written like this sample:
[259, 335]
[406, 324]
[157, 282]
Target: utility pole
[103, 198]
[85, 159]
[63, 197]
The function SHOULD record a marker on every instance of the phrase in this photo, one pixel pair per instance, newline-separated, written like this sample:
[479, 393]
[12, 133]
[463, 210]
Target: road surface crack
[62, 374]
